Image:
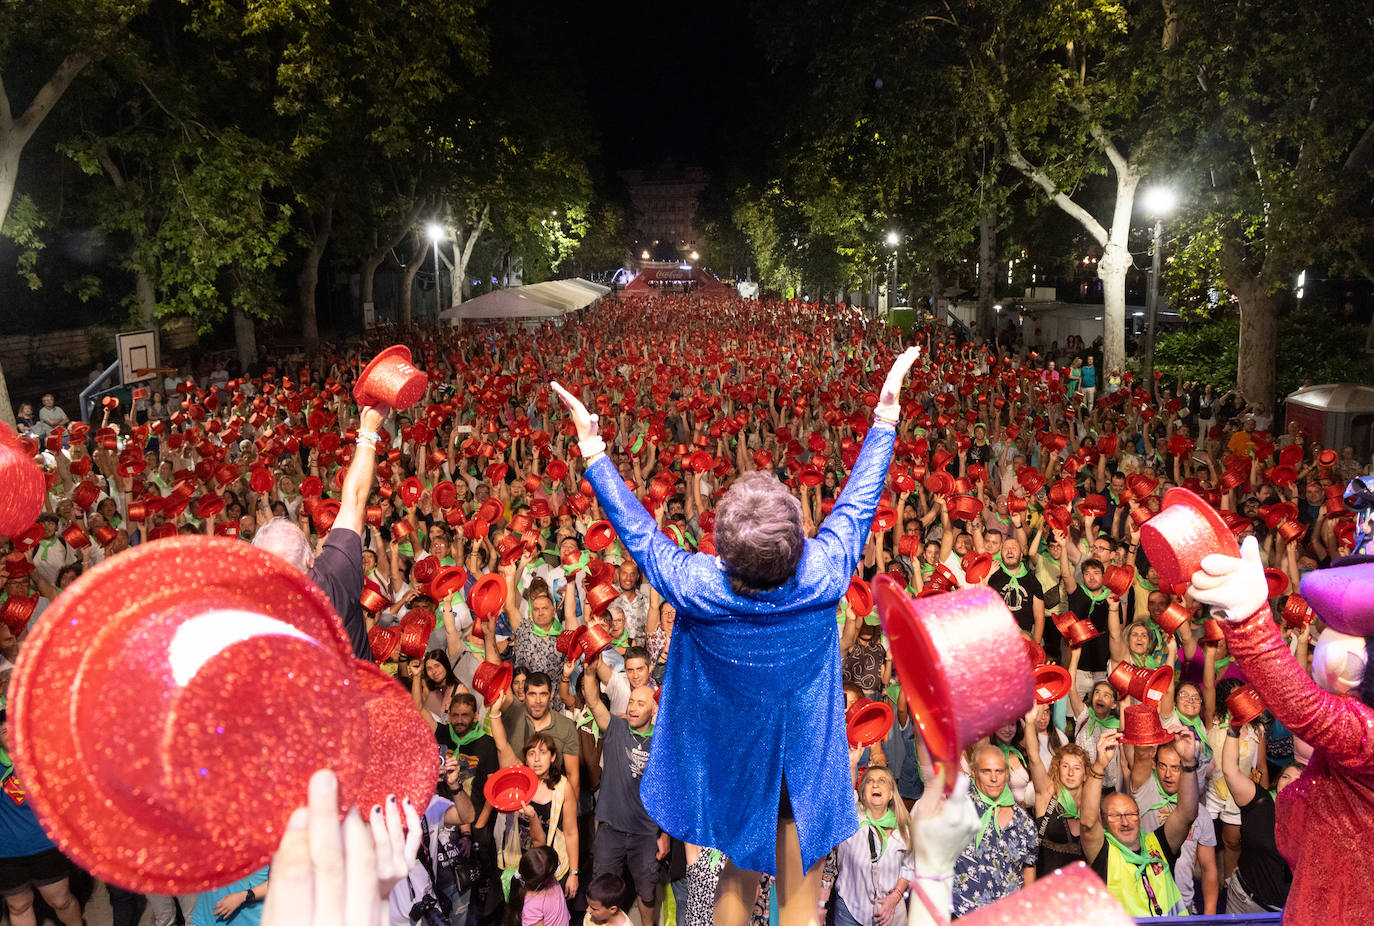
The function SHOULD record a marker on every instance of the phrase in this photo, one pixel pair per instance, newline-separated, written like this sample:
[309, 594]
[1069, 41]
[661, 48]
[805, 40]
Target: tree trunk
[370, 265]
[1259, 342]
[987, 273]
[147, 299]
[6, 410]
[1111, 269]
[417, 254]
[15, 133]
[245, 339]
[309, 277]
[9, 172]
[462, 253]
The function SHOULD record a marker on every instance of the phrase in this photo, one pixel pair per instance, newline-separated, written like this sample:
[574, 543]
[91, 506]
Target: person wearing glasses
[1138, 866]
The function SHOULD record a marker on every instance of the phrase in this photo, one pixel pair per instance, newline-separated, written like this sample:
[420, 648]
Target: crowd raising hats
[481, 585]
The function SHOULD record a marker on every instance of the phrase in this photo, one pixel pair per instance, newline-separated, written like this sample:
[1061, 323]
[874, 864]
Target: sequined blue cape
[752, 690]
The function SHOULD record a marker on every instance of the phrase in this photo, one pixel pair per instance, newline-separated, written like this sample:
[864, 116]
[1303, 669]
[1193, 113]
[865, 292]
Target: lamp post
[893, 239]
[1159, 202]
[436, 234]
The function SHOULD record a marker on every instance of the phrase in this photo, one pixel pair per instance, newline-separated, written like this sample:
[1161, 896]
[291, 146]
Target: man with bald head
[1001, 859]
[1138, 865]
[626, 836]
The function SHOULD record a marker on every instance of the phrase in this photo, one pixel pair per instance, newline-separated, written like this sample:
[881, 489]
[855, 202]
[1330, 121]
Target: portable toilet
[1335, 414]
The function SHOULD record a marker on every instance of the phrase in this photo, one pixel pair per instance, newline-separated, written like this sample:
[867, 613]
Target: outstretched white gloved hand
[1234, 586]
[941, 828]
[889, 401]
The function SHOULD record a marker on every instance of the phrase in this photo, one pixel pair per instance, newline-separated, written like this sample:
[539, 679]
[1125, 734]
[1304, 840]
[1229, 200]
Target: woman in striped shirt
[875, 863]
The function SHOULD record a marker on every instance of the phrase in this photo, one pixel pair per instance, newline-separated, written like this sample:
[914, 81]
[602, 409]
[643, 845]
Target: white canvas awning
[538, 300]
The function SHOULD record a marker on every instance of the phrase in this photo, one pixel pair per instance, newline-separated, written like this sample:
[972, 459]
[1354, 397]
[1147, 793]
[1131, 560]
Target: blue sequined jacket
[752, 690]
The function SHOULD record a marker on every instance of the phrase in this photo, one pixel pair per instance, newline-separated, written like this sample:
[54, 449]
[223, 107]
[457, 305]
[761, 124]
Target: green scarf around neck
[460, 741]
[1068, 807]
[1096, 725]
[882, 826]
[1166, 799]
[554, 629]
[1095, 596]
[990, 814]
[1139, 860]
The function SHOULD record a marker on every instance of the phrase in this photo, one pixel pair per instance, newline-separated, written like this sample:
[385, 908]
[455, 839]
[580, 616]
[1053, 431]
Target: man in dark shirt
[1088, 601]
[1021, 590]
[338, 568]
[626, 836]
[475, 750]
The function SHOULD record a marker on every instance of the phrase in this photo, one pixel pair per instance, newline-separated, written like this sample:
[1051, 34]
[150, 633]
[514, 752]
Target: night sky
[666, 81]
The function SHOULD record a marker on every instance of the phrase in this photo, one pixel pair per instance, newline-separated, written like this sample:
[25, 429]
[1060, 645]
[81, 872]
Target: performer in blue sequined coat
[750, 755]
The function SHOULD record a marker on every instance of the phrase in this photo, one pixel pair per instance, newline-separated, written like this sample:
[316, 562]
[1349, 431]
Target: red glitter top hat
[1244, 705]
[21, 485]
[1185, 530]
[961, 662]
[390, 380]
[129, 654]
[400, 758]
[1141, 726]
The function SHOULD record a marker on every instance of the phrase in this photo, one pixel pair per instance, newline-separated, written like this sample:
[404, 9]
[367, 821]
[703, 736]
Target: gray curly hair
[759, 535]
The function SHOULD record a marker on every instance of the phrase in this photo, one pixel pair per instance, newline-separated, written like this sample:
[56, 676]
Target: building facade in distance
[665, 204]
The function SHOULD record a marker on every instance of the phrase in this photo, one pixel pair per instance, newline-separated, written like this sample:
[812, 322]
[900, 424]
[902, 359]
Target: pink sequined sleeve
[1338, 724]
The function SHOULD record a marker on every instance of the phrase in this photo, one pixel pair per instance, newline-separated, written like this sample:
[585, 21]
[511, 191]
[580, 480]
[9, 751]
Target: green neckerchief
[1111, 722]
[461, 741]
[623, 639]
[990, 815]
[476, 649]
[927, 570]
[1007, 750]
[1221, 665]
[1166, 799]
[45, 545]
[712, 856]
[582, 562]
[645, 733]
[892, 691]
[1113, 496]
[1130, 856]
[1068, 807]
[6, 764]
[405, 549]
[448, 561]
[1195, 724]
[1146, 583]
[1013, 576]
[1096, 596]
[507, 876]
[1147, 661]
[554, 629]
[585, 721]
[888, 821]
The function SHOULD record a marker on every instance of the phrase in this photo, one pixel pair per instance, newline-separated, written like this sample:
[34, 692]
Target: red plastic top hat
[490, 510]
[1070, 896]
[860, 597]
[425, 569]
[976, 566]
[188, 633]
[491, 680]
[509, 549]
[1244, 705]
[75, 537]
[961, 663]
[16, 612]
[511, 788]
[374, 601]
[1059, 518]
[569, 642]
[1277, 581]
[965, 507]
[21, 484]
[1093, 506]
[390, 380]
[445, 494]
[1186, 530]
[446, 581]
[1118, 579]
[416, 628]
[400, 758]
[556, 471]
[1327, 458]
[599, 598]
[1143, 684]
[384, 641]
[1211, 632]
[488, 596]
[1141, 726]
[1035, 652]
[1174, 616]
[595, 638]
[867, 722]
[1051, 683]
[1297, 612]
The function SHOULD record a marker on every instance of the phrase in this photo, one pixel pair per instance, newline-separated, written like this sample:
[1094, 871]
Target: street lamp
[644, 256]
[1159, 201]
[695, 256]
[436, 234]
[893, 239]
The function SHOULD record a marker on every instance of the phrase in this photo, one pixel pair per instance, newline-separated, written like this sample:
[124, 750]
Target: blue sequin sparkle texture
[752, 690]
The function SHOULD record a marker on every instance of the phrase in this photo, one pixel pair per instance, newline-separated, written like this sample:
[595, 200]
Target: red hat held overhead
[1186, 530]
[391, 380]
[188, 637]
[867, 722]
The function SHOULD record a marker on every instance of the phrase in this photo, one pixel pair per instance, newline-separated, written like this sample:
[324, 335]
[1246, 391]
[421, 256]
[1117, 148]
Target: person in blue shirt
[750, 755]
[29, 861]
[239, 902]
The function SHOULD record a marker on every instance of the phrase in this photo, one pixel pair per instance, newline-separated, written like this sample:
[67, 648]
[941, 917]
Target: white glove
[1234, 587]
[889, 404]
[943, 826]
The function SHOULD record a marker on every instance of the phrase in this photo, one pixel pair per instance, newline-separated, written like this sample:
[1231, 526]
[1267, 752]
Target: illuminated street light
[695, 255]
[435, 232]
[1160, 201]
[893, 238]
[644, 256]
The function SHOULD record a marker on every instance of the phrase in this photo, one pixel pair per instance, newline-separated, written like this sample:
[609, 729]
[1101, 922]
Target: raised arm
[1181, 820]
[1090, 812]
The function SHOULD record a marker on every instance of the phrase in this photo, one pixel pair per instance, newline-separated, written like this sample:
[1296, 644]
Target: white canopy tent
[553, 299]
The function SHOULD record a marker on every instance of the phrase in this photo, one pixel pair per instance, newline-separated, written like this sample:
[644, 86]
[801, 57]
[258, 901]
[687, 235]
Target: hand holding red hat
[339, 872]
[945, 824]
[1235, 587]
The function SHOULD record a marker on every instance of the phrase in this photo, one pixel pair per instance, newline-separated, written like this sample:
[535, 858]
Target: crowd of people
[477, 545]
